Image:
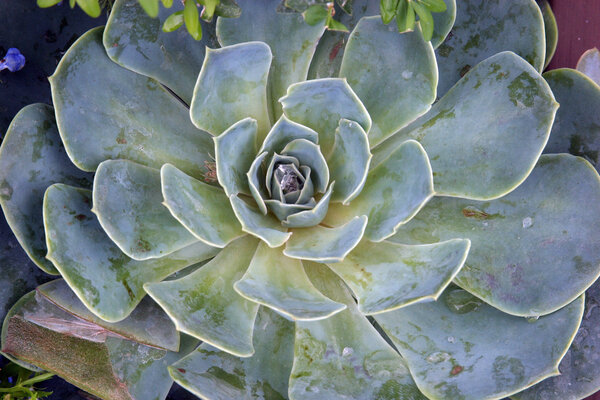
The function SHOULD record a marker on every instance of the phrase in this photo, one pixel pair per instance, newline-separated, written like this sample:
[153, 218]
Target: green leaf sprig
[317, 13]
[18, 383]
[406, 11]
[190, 15]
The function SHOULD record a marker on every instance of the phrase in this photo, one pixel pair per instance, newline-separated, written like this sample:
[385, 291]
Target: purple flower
[13, 60]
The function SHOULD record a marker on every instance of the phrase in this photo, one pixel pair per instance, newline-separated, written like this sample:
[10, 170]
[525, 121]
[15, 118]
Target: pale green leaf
[31, 159]
[204, 304]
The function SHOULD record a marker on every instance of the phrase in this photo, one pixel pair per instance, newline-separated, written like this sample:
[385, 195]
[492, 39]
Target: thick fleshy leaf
[330, 50]
[486, 27]
[589, 64]
[534, 250]
[265, 227]
[378, 77]
[579, 369]
[482, 146]
[327, 245]
[86, 354]
[343, 356]
[216, 375]
[147, 324]
[107, 281]
[256, 182]
[136, 41]
[551, 30]
[105, 111]
[474, 356]
[127, 200]
[349, 161]
[320, 104]
[232, 85]
[386, 276]
[312, 217]
[309, 154]
[576, 129]
[394, 192]
[282, 211]
[203, 304]
[235, 150]
[291, 57]
[285, 131]
[280, 283]
[443, 23]
[200, 207]
[31, 159]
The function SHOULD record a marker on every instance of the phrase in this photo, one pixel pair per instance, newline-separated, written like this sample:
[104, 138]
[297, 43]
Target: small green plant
[17, 382]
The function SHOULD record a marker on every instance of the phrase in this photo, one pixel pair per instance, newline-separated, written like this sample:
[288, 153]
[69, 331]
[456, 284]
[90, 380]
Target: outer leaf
[200, 207]
[579, 370]
[235, 150]
[534, 250]
[105, 280]
[204, 304]
[210, 373]
[349, 161]
[326, 245]
[112, 367]
[474, 356]
[127, 200]
[388, 10]
[330, 50]
[551, 30]
[315, 14]
[144, 48]
[320, 104]
[386, 276]
[378, 76]
[486, 27]
[280, 283]
[344, 356]
[482, 146]
[577, 126]
[31, 159]
[425, 20]
[405, 17]
[232, 85]
[265, 227]
[589, 64]
[105, 112]
[291, 57]
[394, 192]
[147, 324]
[47, 3]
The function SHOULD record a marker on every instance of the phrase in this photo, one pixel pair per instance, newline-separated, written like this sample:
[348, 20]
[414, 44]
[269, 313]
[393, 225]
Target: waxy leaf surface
[474, 355]
[213, 374]
[31, 159]
[482, 146]
[127, 200]
[532, 251]
[291, 39]
[108, 282]
[203, 304]
[279, 282]
[105, 111]
[396, 85]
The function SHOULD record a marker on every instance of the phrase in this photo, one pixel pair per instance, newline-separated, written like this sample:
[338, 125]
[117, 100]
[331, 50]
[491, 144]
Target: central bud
[288, 178]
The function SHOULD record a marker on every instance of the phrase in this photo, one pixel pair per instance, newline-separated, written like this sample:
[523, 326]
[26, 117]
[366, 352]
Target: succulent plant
[366, 216]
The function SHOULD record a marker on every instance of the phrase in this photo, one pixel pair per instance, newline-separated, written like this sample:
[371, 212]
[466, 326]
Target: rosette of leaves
[390, 231]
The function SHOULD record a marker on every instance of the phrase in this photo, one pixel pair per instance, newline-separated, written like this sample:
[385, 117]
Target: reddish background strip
[578, 30]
